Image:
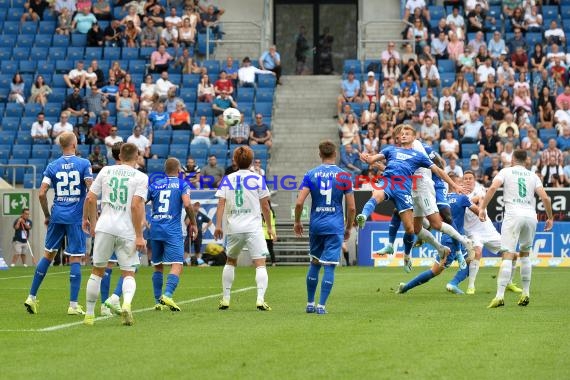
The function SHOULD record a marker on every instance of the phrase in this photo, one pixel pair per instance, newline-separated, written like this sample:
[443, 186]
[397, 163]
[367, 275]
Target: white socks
[227, 280]
[129, 288]
[473, 269]
[513, 271]
[448, 230]
[504, 277]
[92, 293]
[526, 271]
[426, 236]
[261, 279]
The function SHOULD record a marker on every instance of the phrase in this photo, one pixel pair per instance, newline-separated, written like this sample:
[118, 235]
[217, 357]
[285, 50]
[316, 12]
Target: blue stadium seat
[57, 53]
[19, 53]
[247, 110]
[5, 149]
[78, 40]
[203, 45]
[198, 152]
[266, 109]
[266, 81]
[42, 151]
[7, 138]
[21, 151]
[352, 65]
[179, 150]
[533, 39]
[245, 94]
[39, 53]
[8, 68]
[59, 83]
[189, 95]
[29, 27]
[23, 137]
[137, 66]
[260, 151]
[47, 27]
[212, 66]
[264, 95]
[75, 53]
[374, 62]
[52, 111]
[145, 52]
[14, 14]
[181, 137]
[112, 53]
[28, 67]
[218, 149]
[93, 53]
[190, 80]
[130, 53]
[436, 12]
[14, 110]
[549, 12]
[32, 109]
[60, 40]
[155, 165]
[25, 40]
[446, 66]
[159, 150]
[161, 137]
[10, 123]
[447, 79]
[468, 149]
[204, 109]
[31, 182]
[547, 134]
[17, 174]
[63, 66]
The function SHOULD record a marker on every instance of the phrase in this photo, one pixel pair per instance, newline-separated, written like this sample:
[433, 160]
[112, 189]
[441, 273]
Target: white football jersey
[471, 221]
[242, 191]
[425, 182]
[117, 185]
[519, 187]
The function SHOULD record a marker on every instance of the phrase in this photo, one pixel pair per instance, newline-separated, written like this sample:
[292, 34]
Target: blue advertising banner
[208, 206]
[550, 248]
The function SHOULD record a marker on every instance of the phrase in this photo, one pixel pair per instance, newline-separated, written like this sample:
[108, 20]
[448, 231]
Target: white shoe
[12, 265]
[25, 265]
[105, 311]
[470, 248]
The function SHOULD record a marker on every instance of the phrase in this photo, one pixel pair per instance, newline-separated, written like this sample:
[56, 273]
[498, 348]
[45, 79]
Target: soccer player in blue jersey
[70, 177]
[169, 195]
[398, 181]
[459, 203]
[328, 226]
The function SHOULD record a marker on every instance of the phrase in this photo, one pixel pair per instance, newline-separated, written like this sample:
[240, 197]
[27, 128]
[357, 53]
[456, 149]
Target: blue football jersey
[166, 196]
[404, 162]
[67, 176]
[458, 203]
[328, 184]
[438, 183]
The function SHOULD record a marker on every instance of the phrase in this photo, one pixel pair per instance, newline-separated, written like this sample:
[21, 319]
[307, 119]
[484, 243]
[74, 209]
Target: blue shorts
[448, 242]
[402, 198]
[167, 252]
[325, 248]
[441, 197]
[76, 238]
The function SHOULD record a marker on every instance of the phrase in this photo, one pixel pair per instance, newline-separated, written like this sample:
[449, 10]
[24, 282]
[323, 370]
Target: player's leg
[509, 238]
[316, 246]
[474, 268]
[378, 196]
[128, 262]
[173, 255]
[528, 231]
[512, 286]
[106, 285]
[15, 253]
[395, 222]
[198, 251]
[427, 236]
[345, 253]
[425, 276]
[329, 259]
[102, 250]
[158, 270]
[75, 250]
[258, 247]
[54, 237]
[235, 243]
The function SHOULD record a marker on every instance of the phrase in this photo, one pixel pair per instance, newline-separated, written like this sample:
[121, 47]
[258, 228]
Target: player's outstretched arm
[350, 214]
[453, 187]
[218, 233]
[303, 194]
[475, 209]
[138, 216]
[266, 211]
[370, 159]
[490, 193]
[547, 206]
[42, 195]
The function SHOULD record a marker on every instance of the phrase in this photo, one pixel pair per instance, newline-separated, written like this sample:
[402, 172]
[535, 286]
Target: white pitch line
[66, 325]
[48, 274]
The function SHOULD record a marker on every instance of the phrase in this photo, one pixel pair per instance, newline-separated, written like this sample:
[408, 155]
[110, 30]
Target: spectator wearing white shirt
[454, 168]
[446, 97]
[562, 116]
[62, 126]
[246, 73]
[484, 71]
[173, 18]
[496, 46]
[76, 77]
[411, 6]
[429, 130]
[554, 35]
[169, 35]
[111, 140]
[455, 17]
[201, 132]
[163, 85]
[429, 74]
[555, 53]
[142, 143]
[41, 129]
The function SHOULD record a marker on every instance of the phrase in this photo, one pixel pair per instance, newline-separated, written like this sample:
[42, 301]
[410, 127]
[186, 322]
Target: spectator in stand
[188, 64]
[476, 168]
[472, 98]
[60, 5]
[554, 53]
[452, 167]
[223, 84]
[518, 21]
[271, 60]
[455, 17]
[552, 173]
[155, 12]
[95, 36]
[187, 34]
[520, 60]
[447, 117]
[132, 16]
[558, 73]
[429, 74]
[41, 129]
[111, 90]
[192, 14]
[206, 91]
[82, 130]
[34, 10]
[555, 34]
[517, 41]
[538, 59]
[173, 19]
[390, 52]
[563, 141]
[222, 102]
[412, 5]
[192, 172]
[101, 130]
[102, 10]
[246, 73]
[83, 21]
[455, 47]
[159, 60]
[439, 46]
[239, 133]
[169, 36]
[74, 103]
[172, 100]
[449, 147]
[256, 167]
[99, 74]
[463, 115]
[489, 145]
[113, 35]
[214, 172]
[220, 132]
[148, 93]
[143, 122]
[95, 102]
[496, 46]
[484, 71]
[429, 130]
[149, 34]
[511, 139]
[531, 138]
[492, 171]
[64, 22]
[210, 20]
[470, 131]
[259, 132]
[141, 142]
[201, 132]
[439, 28]
[533, 20]
[350, 160]
[552, 152]
[509, 122]
[159, 118]
[40, 91]
[125, 105]
[62, 126]
[429, 111]
[369, 116]
[180, 118]
[447, 97]
[522, 100]
[370, 88]
[131, 35]
[350, 132]
[76, 77]
[476, 20]
[163, 85]
[419, 33]
[563, 97]
[97, 160]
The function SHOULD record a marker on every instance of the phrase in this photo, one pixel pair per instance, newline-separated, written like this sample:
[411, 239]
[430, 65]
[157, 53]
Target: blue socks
[119, 288]
[312, 281]
[408, 243]
[460, 276]
[369, 207]
[157, 278]
[41, 271]
[171, 284]
[106, 284]
[394, 227]
[74, 281]
[326, 284]
[421, 278]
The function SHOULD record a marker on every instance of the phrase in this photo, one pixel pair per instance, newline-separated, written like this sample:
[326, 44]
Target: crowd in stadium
[478, 80]
[128, 71]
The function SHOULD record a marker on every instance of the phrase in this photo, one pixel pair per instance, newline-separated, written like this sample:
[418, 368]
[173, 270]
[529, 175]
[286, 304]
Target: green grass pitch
[369, 333]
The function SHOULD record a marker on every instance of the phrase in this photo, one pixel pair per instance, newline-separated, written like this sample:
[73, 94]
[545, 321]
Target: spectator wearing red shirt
[100, 130]
[223, 84]
[520, 60]
[558, 72]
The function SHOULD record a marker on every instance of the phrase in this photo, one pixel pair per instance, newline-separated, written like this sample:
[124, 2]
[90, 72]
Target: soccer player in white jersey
[519, 224]
[123, 192]
[483, 234]
[240, 196]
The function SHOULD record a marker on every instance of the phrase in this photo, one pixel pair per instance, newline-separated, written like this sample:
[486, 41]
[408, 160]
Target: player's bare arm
[475, 209]
[190, 215]
[350, 214]
[490, 193]
[42, 195]
[89, 214]
[370, 159]
[547, 206]
[88, 183]
[218, 233]
[138, 217]
[303, 194]
[266, 211]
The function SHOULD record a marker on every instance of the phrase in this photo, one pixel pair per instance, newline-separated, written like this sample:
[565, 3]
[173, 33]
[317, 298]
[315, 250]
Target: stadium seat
[63, 66]
[8, 68]
[353, 65]
[14, 110]
[549, 12]
[16, 174]
[189, 95]
[204, 109]
[52, 110]
[21, 151]
[245, 94]
[198, 152]
[25, 40]
[260, 151]
[247, 110]
[179, 151]
[32, 109]
[42, 151]
[190, 80]
[27, 67]
[84, 150]
[159, 137]
[533, 39]
[5, 149]
[130, 53]
[57, 53]
[21, 53]
[212, 66]
[181, 137]
[39, 53]
[468, 149]
[370, 63]
[7, 137]
[145, 52]
[547, 134]
[137, 66]
[264, 109]
[218, 149]
[112, 53]
[264, 95]
[159, 150]
[7, 40]
[60, 40]
[31, 182]
[266, 81]
[46, 27]
[93, 53]
[155, 165]
[10, 123]
[75, 53]
[14, 13]
[446, 66]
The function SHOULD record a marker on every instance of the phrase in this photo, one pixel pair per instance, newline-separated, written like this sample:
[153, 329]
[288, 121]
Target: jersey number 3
[68, 183]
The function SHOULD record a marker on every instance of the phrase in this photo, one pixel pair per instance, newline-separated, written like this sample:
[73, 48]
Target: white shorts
[106, 244]
[424, 201]
[19, 248]
[486, 236]
[254, 241]
[520, 230]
